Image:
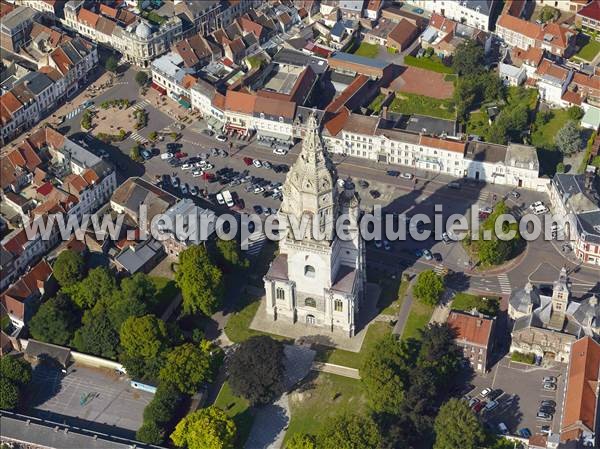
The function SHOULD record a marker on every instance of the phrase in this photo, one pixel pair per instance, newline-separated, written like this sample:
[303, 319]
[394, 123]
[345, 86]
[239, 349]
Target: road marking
[73, 113]
[138, 137]
[504, 282]
[141, 105]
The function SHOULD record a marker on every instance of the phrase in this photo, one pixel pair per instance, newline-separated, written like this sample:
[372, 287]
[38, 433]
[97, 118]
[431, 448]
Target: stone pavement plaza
[311, 334]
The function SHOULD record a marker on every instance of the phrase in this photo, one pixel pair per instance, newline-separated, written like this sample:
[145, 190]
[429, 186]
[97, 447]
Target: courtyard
[97, 399]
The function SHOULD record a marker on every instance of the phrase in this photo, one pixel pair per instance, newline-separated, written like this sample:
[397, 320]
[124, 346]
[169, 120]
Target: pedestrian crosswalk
[138, 137]
[440, 270]
[255, 243]
[141, 105]
[504, 282]
[483, 197]
[73, 113]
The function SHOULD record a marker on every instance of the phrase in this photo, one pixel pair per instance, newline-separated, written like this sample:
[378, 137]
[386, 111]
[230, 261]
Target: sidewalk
[404, 311]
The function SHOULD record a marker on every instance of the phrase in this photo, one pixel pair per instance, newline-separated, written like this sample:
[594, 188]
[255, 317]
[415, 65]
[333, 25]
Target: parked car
[378, 244]
[394, 173]
[221, 138]
[196, 173]
[454, 185]
[549, 386]
[363, 184]
[428, 256]
[257, 163]
[181, 155]
[495, 394]
[166, 156]
[485, 392]
[387, 245]
[279, 151]
[267, 165]
[146, 154]
[258, 209]
[437, 257]
[545, 430]
[473, 401]
[550, 379]
[502, 428]
[185, 189]
[516, 195]
[406, 175]
[208, 132]
[173, 146]
[543, 416]
[478, 407]
[548, 403]
[524, 433]
[491, 405]
[375, 194]
[546, 409]
[446, 238]
[195, 190]
[187, 166]
[220, 199]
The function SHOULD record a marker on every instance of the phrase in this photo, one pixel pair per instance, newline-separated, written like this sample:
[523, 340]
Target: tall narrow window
[338, 305]
[280, 293]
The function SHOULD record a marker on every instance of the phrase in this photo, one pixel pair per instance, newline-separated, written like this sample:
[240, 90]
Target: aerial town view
[298, 224]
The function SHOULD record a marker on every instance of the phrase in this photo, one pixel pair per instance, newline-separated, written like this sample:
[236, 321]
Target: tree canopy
[301, 441]
[384, 375]
[55, 321]
[15, 374]
[187, 366]
[142, 78]
[69, 268]
[439, 353]
[9, 394]
[111, 64]
[143, 340]
[97, 286]
[349, 431]
[568, 139]
[97, 335]
[207, 428]
[457, 426]
[468, 58]
[428, 287]
[230, 254]
[200, 281]
[256, 370]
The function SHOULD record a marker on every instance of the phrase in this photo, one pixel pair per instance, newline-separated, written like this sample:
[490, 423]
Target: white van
[540, 209]
[165, 156]
[220, 199]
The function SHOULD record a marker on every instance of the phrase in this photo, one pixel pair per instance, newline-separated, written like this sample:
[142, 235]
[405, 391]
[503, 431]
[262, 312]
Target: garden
[407, 103]
[367, 50]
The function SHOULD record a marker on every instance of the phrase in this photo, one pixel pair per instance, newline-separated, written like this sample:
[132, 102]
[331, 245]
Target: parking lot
[87, 397]
[523, 392]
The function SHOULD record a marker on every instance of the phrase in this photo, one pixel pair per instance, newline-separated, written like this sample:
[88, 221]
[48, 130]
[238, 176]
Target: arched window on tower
[280, 293]
[338, 305]
[309, 271]
[310, 302]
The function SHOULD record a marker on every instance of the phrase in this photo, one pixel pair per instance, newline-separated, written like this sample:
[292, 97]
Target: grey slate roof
[431, 125]
[362, 60]
[589, 222]
[27, 430]
[39, 349]
[36, 82]
[521, 299]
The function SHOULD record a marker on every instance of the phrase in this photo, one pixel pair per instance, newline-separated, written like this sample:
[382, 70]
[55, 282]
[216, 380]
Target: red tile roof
[470, 328]
[560, 35]
[336, 123]
[571, 97]
[581, 398]
[591, 11]
[218, 101]
[374, 5]
[592, 82]
[87, 17]
[274, 107]
[520, 26]
[341, 100]
[10, 102]
[456, 146]
[547, 67]
[403, 33]
[240, 102]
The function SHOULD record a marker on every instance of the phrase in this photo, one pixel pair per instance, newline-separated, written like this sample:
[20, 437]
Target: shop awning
[185, 103]
[274, 136]
[161, 90]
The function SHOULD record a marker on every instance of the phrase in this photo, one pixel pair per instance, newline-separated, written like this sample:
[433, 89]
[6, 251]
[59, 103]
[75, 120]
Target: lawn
[237, 409]
[367, 50]
[392, 296]
[478, 124]
[544, 134]
[375, 105]
[237, 328]
[433, 63]
[354, 359]
[320, 397]
[166, 290]
[418, 318]
[589, 51]
[406, 103]
[467, 302]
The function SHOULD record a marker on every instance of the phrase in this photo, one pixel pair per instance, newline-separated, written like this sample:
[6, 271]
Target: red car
[181, 155]
[477, 407]
[207, 176]
[248, 161]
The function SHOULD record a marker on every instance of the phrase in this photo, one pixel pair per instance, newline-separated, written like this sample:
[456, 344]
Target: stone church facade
[317, 279]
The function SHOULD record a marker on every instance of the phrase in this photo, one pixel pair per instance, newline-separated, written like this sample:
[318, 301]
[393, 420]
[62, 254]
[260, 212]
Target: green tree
[349, 431]
[150, 432]
[207, 428]
[164, 403]
[457, 426]
[200, 281]
[439, 353]
[596, 162]
[9, 394]
[568, 138]
[15, 370]
[141, 288]
[121, 306]
[301, 441]
[560, 167]
[135, 154]
[144, 337]
[142, 78]
[97, 335]
[384, 374]
[256, 370]
[68, 268]
[230, 254]
[549, 14]
[468, 58]
[575, 113]
[493, 252]
[428, 287]
[111, 64]
[55, 321]
[98, 285]
[153, 136]
[187, 366]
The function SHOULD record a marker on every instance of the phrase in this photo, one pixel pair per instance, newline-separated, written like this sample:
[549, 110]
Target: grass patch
[375, 105]
[367, 50]
[418, 318]
[433, 63]
[166, 290]
[394, 298]
[478, 124]
[523, 357]
[589, 51]
[467, 302]
[238, 326]
[354, 359]
[153, 17]
[237, 409]
[406, 103]
[544, 134]
[320, 398]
